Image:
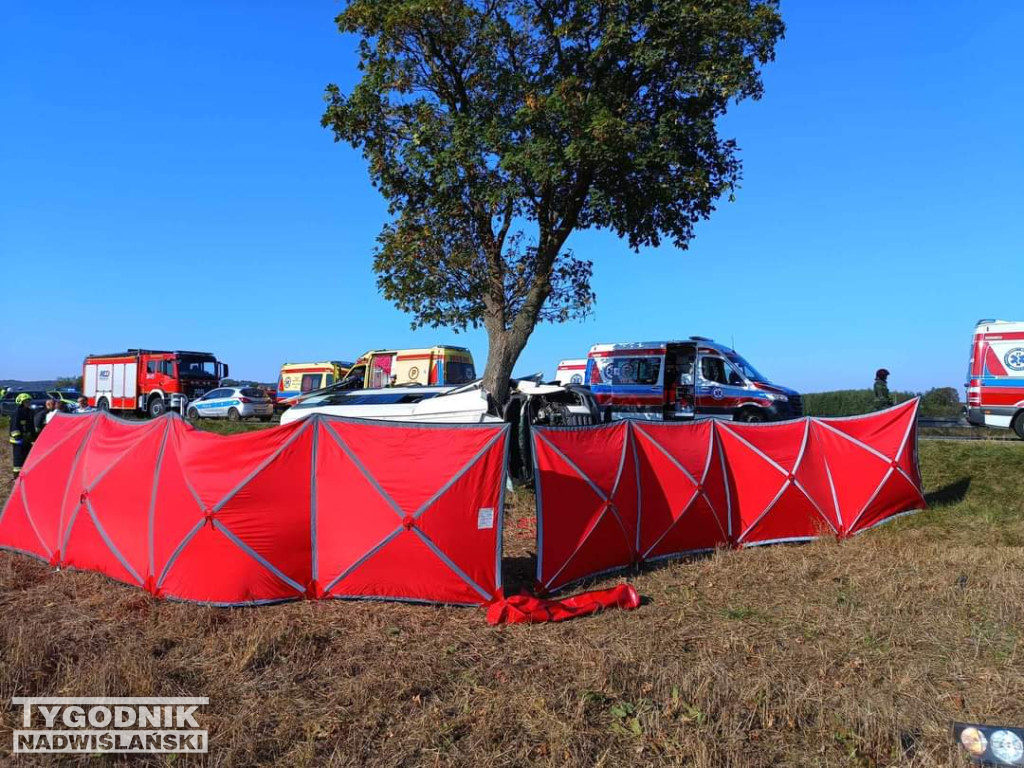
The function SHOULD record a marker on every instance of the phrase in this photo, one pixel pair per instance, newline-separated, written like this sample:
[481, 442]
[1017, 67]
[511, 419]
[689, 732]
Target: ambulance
[299, 378]
[432, 366]
[571, 371]
[995, 376]
[682, 380]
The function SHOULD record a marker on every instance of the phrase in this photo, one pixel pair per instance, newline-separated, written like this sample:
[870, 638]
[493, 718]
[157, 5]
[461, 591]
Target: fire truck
[995, 378]
[149, 381]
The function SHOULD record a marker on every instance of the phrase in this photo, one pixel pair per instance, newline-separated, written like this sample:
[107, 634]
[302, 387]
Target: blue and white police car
[232, 403]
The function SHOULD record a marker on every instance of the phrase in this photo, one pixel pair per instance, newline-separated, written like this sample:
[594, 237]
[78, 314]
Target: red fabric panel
[119, 495]
[527, 609]
[377, 519]
[778, 496]
[874, 461]
[754, 481]
[192, 515]
[813, 477]
[86, 550]
[586, 501]
[43, 493]
[176, 511]
[16, 525]
[884, 431]
[783, 481]
[684, 504]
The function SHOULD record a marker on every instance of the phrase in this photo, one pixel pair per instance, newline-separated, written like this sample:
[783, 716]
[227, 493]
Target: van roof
[424, 350]
[659, 345]
[1000, 326]
[321, 363]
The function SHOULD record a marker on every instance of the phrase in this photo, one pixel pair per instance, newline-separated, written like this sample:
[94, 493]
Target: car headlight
[991, 744]
[776, 397]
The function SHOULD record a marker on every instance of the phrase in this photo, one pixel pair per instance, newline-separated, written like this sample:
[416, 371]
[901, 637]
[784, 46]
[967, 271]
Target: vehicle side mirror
[734, 379]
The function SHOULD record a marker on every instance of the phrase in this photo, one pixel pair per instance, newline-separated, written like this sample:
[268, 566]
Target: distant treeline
[938, 403]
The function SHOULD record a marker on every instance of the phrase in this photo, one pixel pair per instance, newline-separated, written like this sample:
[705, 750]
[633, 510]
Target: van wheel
[233, 414]
[193, 414]
[102, 404]
[750, 416]
[1018, 425]
[157, 407]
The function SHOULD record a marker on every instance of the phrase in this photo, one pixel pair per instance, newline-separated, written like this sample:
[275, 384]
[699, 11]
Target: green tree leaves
[495, 128]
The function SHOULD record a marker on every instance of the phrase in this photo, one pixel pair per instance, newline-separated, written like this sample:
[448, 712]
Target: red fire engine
[148, 380]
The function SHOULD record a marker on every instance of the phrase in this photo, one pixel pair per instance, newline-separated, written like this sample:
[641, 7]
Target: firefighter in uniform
[23, 432]
[882, 397]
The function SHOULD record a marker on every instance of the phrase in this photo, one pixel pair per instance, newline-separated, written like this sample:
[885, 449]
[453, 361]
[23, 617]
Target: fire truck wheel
[750, 416]
[156, 407]
[1018, 425]
[193, 414]
[102, 404]
[233, 414]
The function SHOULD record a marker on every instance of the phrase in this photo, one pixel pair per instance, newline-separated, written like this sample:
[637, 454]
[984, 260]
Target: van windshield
[459, 373]
[748, 370]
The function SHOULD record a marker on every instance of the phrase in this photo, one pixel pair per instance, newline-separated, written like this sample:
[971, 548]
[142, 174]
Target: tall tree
[495, 128]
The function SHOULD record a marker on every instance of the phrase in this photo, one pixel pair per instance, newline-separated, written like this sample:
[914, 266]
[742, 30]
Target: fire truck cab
[995, 376]
[682, 380]
[150, 381]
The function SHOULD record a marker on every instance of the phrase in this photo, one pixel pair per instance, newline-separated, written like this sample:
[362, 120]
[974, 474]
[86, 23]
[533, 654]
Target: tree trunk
[504, 348]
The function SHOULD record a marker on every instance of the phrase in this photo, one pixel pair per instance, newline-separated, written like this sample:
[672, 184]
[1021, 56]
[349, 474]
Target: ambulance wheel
[1018, 425]
[102, 404]
[233, 414]
[750, 416]
[193, 414]
[157, 407]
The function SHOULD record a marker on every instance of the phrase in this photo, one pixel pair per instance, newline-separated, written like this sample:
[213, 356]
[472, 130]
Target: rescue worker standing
[23, 432]
[882, 397]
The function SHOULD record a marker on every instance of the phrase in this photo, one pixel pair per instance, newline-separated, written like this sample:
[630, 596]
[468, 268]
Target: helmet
[24, 397]
[881, 373]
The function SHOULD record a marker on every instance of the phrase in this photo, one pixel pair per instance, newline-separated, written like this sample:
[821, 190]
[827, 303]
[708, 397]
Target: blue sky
[164, 182]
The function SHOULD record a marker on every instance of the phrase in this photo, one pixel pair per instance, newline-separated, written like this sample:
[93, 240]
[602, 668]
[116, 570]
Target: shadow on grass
[952, 493]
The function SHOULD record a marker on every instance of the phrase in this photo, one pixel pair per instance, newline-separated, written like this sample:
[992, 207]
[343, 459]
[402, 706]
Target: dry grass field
[856, 653]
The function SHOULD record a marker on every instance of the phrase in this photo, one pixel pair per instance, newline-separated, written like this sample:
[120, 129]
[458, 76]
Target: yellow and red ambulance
[442, 365]
[299, 378]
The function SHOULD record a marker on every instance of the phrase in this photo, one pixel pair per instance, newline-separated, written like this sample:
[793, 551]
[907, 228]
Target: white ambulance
[571, 371]
[995, 378]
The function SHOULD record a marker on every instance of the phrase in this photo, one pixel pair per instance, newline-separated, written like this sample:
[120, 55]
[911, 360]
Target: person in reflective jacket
[882, 397]
[23, 432]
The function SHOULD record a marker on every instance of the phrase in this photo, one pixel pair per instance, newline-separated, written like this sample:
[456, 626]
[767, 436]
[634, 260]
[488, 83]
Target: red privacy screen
[633, 491]
[319, 508]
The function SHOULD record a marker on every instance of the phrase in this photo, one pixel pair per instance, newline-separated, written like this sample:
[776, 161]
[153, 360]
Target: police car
[232, 403]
